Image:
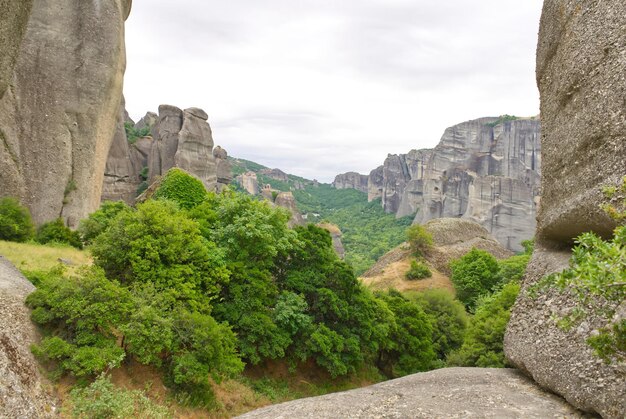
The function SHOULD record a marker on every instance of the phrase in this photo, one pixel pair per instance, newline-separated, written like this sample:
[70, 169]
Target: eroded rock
[351, 180]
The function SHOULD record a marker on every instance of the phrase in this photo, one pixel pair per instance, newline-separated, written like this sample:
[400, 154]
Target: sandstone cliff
[24, 393]
[486, 170]
[57, 117]
[581, 63]
[351, 180]
[178, 139]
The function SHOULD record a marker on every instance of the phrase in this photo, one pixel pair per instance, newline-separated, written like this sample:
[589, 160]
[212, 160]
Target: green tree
[159, 244]
[418, 270]
[483, 345]
[448, 319]
[15, 221]
[419, 239]
[56, 232]
[182, 188]
[476, 273]
[98, 221]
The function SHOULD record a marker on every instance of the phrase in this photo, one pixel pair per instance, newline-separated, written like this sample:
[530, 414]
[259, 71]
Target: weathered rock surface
[15, 14]
[443, 393]
[351, 180]
[335, 235]
[57, 118]
[275, 174]
[179, 139]
[249, 182]
[24, 393]
[485, 170]
[286, 200]
[581, 74]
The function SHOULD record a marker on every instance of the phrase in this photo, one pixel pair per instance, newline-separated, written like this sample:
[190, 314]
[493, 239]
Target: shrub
[15, 221]
[484, 341]
[418, 270]
[182, 188]
[98, 221]
[56, 232]
[513, 268]
[448, 319]
[419, 239]
[475, 274]
[102, 400]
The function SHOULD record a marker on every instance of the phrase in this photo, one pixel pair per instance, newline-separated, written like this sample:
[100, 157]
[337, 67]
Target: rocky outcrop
[14, 21]
[335, 235]
[275, 174]
[486, 170]
[57, 118]
[443, 393]
[24, 393]
[581, 64]
[286, 200]
[178, 139]
[249, 182]
[351, 180]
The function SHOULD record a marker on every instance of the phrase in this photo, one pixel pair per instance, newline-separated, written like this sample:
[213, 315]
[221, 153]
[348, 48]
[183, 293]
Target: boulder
[443, 393]
[58, 116]
[581, 63]
[24, 392]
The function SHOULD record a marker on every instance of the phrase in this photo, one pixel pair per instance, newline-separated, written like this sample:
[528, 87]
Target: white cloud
[319, 87]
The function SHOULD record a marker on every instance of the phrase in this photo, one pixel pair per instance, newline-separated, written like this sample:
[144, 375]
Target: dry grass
[31, 256]
[393, 276]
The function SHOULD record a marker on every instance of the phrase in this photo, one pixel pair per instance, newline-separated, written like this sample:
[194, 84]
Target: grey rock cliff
[443, 393]
[485, 170]
[57, 118]
[351, 180]
[15, 14]
[24, 393]
[249, 182]
[581, 74]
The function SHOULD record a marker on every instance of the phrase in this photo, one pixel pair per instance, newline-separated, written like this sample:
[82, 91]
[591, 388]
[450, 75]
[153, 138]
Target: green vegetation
[57, 232]
[99, 221]
[483, 344]
[475, 274]
[419, 239]
[16, 223]
[182, 188]
[133, 134]
[502, 119]
[103, 401]
[418, 270]
[368, 232]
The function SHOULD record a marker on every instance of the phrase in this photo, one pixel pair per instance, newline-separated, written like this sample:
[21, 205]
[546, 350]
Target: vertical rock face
[223, 167]
[286, 200]
[57, 118]
[15, 15]
[486, 170]
[249, 182]
[351, 180]
[581, 67]
[195, 148]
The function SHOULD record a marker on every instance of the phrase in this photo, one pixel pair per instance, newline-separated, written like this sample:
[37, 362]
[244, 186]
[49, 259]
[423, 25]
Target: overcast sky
[321, 87]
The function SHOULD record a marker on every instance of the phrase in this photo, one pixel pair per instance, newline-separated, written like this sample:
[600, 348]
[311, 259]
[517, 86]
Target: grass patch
[38, 257]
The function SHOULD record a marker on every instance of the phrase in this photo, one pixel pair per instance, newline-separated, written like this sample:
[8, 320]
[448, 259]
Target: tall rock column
[581, 73]
[59, 114]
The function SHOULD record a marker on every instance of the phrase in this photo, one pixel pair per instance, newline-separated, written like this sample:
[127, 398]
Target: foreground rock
[58, 115]
[444, 393]
[581, 63]
[23, 391]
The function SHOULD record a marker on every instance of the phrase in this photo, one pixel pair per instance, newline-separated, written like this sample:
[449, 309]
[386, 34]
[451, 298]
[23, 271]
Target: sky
[321, 87]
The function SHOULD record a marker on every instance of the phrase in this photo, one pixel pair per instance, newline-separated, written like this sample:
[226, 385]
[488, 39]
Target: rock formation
[443, 393]
[335, 235]
[14, 21]
[249, 182]
[286, 200]
[58, 115]
[24, 393]
[275, 174]
[486, 170]
[179, 139]
[351, 180]
[581, 64]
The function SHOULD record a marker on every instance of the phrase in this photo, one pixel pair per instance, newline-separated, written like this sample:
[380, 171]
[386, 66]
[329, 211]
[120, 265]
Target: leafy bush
[56, 232]
[448, 319]
[98, 221]
[182, 188]
[513, 268]
[419, 239]
[418, 270]
[133, 134]
[15, 221]
[502, 119]
[483, 345]
[102, 400]
[82, 313]
[158, 244]
[475, 274]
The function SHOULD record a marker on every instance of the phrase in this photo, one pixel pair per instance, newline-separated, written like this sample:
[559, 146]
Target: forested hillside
[368, 232]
